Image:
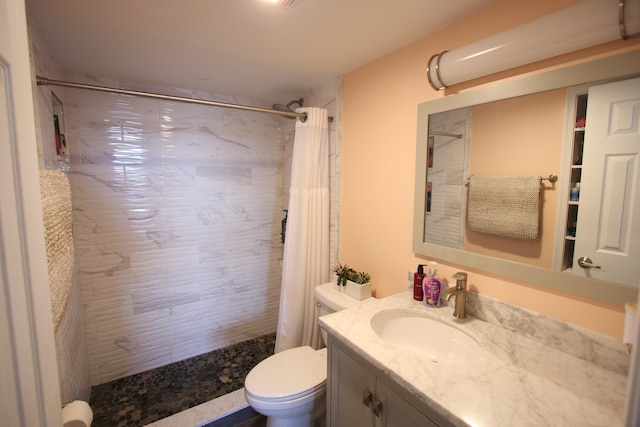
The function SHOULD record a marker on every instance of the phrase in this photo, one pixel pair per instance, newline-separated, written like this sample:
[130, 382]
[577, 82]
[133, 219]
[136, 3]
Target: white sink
[428, 336]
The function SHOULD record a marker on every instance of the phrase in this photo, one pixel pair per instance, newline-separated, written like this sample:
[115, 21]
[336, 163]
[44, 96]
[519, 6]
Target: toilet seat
[287, 375]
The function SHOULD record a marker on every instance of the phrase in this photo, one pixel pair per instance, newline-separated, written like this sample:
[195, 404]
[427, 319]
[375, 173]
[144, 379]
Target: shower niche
[59, 136]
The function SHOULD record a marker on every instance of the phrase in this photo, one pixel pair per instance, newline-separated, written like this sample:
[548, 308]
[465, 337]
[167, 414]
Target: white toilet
[289, 387]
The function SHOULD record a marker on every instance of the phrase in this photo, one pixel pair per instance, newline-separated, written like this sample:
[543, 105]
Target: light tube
[582, 25]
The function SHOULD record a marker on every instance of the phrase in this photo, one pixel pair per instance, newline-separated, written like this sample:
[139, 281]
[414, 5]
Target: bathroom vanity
[532, 370]
[359, 394]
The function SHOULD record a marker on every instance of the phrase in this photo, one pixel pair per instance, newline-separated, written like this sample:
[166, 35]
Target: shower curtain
[306, 248]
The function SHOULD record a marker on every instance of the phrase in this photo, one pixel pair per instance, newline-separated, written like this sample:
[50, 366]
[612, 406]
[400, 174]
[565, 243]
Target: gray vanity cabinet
[360, 396]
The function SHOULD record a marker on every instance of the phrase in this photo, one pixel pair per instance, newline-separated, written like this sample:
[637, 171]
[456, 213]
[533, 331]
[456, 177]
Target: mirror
[519, 136]
[443, 149]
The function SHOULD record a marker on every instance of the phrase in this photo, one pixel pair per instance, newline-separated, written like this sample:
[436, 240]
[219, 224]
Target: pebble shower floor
[143, 398]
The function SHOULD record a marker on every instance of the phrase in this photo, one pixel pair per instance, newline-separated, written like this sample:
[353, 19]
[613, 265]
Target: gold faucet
[460, 292]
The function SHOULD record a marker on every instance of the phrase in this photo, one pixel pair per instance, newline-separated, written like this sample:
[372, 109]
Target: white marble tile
[176, 205]
[590, 346]
[71, 350]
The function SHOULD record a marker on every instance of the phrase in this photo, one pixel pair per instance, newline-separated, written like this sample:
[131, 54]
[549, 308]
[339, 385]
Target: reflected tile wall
[177, 222]
[445, 223]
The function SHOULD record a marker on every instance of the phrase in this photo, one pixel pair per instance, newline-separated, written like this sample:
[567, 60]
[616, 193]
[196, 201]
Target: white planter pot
[355, 290]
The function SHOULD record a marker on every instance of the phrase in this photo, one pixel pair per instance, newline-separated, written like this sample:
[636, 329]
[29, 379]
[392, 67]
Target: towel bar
[551, 178]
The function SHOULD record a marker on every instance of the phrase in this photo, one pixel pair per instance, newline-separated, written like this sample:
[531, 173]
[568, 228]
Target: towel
[56, 212]
[504, 206]
[630, 325]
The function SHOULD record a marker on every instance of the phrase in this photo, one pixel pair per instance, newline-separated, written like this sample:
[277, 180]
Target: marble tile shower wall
[177, 224]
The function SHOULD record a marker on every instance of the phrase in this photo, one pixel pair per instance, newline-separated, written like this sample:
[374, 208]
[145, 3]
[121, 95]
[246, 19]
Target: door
[397, 412]
[608, 223]
[29, 390]
[351, 391]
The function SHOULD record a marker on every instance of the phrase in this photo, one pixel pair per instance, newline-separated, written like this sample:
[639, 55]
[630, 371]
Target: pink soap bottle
[431, 287]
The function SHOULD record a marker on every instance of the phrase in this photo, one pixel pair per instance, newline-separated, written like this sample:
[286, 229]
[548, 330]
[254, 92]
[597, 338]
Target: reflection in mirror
[447, 158]
[514, 137]
[515, 128]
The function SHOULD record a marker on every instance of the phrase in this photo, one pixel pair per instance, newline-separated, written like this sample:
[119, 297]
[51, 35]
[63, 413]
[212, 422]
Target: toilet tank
[332, 300]
[329, 300]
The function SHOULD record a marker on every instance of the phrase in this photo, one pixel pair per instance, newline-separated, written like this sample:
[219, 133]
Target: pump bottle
[432, 286]
[418, 277]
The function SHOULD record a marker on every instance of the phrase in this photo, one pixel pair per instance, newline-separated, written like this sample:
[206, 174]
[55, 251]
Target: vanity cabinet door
[350, 384]
[397, 412]
[358, 397]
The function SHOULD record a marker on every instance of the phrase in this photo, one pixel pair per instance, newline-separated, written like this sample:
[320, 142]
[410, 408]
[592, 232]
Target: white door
[29, 390]
[608, 227]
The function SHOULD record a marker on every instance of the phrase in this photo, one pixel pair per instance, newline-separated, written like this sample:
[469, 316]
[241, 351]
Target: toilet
[289, 387]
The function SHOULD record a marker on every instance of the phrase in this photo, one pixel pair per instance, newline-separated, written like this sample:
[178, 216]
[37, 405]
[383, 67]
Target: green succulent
[344, 273]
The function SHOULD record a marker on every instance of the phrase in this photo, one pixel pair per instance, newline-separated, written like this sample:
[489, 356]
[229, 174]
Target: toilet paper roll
[77, 414]
[630, 324]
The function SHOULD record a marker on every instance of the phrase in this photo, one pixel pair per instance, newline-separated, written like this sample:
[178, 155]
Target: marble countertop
[519, 381]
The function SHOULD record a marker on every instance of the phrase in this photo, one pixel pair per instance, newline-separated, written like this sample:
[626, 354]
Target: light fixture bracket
[621, 20]
[441, 85]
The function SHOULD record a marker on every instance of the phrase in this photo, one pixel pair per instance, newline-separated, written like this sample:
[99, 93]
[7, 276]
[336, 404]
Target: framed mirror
[446, 140]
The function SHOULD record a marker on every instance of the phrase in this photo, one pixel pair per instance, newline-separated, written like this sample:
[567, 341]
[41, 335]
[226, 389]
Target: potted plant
[342, 273]
[354, 283]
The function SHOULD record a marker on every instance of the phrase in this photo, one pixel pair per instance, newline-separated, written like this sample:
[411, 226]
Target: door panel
[609, 205]
[347, 383]
[397, 412]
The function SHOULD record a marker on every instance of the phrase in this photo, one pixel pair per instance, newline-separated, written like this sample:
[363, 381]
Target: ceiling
[247, 48]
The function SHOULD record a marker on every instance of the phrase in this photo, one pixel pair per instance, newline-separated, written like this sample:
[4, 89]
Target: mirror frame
[613, 67]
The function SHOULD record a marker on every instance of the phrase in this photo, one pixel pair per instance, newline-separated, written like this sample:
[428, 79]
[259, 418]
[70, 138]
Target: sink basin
[425, 335]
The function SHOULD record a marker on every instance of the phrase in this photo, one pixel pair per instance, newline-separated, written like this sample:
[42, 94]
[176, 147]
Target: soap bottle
[432, 286]
[418, 277]
[574, 194]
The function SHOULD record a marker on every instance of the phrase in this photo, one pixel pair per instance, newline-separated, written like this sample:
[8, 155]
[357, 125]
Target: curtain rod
[42, 81]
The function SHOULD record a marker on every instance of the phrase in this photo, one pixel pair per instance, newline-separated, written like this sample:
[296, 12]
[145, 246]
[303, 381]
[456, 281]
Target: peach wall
[378, 161]
[520, 136]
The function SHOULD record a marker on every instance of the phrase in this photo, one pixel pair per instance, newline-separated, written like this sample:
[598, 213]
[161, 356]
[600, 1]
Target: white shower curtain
[306, 248]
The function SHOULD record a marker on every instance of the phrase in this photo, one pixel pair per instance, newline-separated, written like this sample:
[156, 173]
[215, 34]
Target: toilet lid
[286, 374]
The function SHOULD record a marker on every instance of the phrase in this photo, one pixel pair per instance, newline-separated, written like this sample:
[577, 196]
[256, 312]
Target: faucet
[460, 292]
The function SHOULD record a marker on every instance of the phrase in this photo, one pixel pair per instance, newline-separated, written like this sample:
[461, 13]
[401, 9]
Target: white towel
[504, 206]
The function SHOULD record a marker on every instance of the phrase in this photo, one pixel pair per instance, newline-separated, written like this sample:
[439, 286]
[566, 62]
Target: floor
[150, 396]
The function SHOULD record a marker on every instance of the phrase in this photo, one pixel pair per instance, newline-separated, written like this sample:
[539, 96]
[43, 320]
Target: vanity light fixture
[582, 25]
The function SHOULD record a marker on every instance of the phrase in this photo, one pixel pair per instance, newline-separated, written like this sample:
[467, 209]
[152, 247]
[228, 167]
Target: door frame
[30, 386]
